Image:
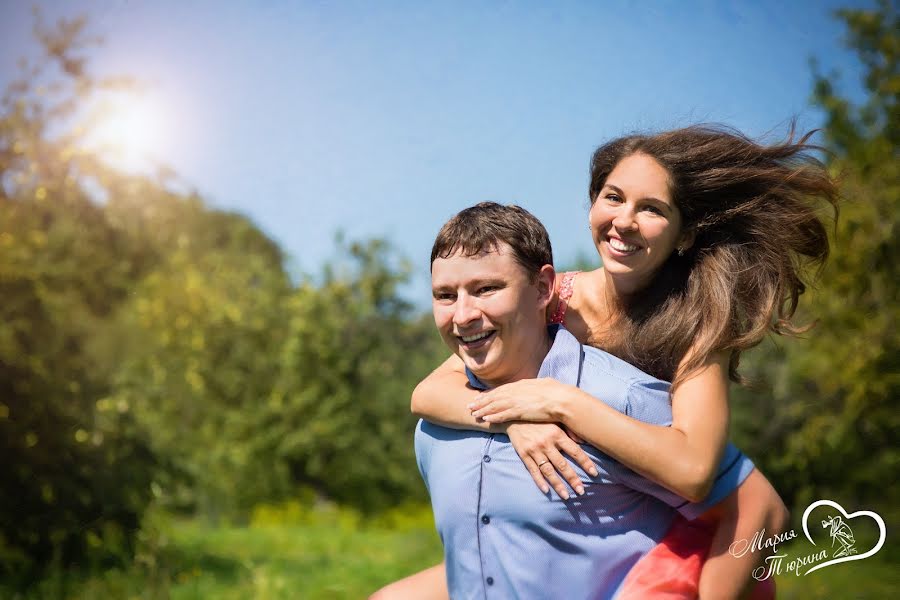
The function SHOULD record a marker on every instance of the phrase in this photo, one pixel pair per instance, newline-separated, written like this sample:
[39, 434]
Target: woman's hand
[541, 447]
[533, 400]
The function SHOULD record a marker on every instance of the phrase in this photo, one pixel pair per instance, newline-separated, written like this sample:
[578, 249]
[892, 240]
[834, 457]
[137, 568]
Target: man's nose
[466, 310]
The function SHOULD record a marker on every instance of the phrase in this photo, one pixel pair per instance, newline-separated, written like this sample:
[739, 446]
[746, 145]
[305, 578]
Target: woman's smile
[635, 222]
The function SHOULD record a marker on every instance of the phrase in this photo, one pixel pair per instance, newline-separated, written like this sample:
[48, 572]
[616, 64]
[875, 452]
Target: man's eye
[444, 297]
[487, 289]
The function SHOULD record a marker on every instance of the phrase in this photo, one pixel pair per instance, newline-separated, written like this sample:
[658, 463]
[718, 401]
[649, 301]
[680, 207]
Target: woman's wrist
[563, 409]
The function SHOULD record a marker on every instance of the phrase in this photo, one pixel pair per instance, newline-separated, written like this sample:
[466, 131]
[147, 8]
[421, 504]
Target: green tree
[136, 329]
[829, 426]
[71, 482]
[204, 329]
[338, 418]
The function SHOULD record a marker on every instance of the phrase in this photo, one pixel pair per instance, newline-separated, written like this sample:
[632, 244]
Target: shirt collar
[563, 361]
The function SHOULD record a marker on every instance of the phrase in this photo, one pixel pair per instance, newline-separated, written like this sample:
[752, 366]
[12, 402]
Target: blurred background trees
[155, 352]
[827, 427]
[71, 479]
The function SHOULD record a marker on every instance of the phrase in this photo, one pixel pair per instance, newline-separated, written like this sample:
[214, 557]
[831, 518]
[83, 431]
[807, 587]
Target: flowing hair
[757, 213]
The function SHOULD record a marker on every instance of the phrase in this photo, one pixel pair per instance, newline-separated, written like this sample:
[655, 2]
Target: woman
[705, 238]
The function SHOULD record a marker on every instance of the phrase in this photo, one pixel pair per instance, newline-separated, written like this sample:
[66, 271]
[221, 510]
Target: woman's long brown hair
[756, 212]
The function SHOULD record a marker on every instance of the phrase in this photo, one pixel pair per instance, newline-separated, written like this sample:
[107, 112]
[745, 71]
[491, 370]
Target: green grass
[337, 557]
[296, 561]
[337, 554]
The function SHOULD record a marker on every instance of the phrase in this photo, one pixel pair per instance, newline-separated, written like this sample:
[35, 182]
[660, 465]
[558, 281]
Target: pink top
[564, 292]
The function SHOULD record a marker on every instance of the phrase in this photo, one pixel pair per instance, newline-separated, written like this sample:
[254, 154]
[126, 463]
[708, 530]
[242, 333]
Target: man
[492, 280]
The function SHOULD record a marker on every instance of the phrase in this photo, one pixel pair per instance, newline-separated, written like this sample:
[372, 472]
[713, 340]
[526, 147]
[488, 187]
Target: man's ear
[546, 282]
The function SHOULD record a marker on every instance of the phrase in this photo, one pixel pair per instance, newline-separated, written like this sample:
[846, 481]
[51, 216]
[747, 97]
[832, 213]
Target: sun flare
[129, 131]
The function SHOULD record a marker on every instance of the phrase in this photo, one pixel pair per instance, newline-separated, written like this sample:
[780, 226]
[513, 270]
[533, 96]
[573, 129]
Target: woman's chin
[627, 279]
[616, 268]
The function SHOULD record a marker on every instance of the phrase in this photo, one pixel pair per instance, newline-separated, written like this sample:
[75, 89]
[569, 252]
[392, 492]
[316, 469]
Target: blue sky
[385, 118]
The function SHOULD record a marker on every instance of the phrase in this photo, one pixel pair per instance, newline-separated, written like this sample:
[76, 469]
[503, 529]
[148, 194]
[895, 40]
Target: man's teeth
[476, 337]
[621, 246]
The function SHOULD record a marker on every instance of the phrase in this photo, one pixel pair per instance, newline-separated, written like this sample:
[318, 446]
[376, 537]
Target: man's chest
[474, 478]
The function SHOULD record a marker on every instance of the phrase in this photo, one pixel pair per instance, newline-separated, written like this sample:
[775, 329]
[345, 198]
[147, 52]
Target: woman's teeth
[621, 246]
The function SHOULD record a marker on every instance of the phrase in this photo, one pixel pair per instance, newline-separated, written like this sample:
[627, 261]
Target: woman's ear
[686, 240]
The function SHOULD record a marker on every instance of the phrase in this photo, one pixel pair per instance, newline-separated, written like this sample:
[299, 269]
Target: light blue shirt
[505, 539]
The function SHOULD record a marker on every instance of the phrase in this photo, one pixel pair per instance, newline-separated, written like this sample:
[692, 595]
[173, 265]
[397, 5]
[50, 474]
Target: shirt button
[487, 459]
[485, 519]
[490, 580]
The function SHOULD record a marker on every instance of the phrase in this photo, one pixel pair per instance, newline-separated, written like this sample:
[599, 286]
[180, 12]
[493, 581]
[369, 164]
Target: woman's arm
[684, 457]
[442, 399]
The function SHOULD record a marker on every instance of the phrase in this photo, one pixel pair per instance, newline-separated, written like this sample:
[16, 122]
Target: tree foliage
[352, 342]
[154, 350]
[829, 426]
[71, 481]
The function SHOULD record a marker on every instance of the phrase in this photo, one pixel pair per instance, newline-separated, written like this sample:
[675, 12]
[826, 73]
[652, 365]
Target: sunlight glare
[130, 131]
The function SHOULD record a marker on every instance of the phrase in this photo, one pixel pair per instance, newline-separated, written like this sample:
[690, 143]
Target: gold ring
[540, 464]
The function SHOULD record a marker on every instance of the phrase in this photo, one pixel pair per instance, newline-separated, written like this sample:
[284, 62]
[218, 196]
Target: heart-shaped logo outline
[860, 513]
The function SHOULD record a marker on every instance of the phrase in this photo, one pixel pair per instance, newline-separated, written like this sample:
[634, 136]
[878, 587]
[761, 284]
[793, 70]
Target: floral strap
[564, 292]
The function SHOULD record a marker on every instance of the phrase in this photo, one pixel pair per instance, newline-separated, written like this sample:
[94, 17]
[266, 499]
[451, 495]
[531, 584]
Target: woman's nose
[624, 219]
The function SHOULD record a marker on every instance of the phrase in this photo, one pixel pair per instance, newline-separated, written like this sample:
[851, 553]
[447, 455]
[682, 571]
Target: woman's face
[635, 223]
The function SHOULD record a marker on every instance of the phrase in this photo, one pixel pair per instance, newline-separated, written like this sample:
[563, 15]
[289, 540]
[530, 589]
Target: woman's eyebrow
[619, 191]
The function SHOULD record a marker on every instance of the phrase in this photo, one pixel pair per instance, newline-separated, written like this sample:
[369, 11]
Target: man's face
[491, 314]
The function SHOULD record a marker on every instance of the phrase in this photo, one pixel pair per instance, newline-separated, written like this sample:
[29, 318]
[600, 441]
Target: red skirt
[671, 570]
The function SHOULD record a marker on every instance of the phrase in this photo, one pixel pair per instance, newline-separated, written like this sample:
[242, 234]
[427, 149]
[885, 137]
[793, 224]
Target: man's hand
[541, 447]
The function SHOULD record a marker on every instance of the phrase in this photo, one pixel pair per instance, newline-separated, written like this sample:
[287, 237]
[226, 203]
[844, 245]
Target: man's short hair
[481, 228]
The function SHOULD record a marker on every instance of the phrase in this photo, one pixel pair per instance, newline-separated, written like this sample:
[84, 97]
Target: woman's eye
[653, 210]
[613, 198]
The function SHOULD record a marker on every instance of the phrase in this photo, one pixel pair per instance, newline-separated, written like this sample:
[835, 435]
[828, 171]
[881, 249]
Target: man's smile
[476, 340]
